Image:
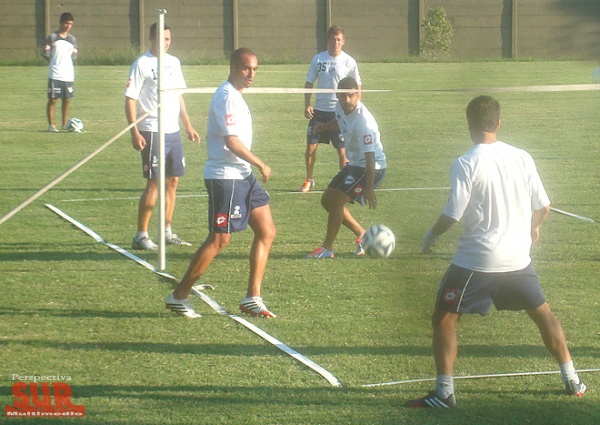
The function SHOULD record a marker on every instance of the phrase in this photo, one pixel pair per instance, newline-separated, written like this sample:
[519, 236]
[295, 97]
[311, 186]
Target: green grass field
[73, 307]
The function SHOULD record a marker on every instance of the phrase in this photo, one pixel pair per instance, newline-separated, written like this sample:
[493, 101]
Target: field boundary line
[208, 300]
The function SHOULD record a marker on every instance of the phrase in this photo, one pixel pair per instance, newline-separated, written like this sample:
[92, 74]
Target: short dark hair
[483, 114]
[66, 17]
[153, 29]
[236, 56]
[348, 83]
[334, 30]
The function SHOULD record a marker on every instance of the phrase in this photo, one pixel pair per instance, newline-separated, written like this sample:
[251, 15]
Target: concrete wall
[294, 30]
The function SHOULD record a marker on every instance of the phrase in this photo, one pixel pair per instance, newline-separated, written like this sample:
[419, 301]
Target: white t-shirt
[494, 189]
[361, 135]
[61, 52]
[328, 71]
[228, 115]
[143, 87]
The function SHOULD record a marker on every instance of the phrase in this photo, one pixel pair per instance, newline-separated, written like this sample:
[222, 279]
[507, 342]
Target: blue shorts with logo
[60, 89]
[174, 156]
[332, 136]
[351, 181]
[230, 203]
[467, 291]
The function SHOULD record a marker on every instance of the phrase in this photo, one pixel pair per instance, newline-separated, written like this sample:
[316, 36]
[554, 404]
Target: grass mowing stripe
[212, 303]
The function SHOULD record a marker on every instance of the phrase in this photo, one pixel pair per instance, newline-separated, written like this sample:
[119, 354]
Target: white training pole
[495, 375]
[160, 33]
[580, 217]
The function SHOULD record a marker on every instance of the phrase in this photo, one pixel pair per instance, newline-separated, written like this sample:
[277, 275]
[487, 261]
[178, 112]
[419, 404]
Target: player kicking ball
[365, 169]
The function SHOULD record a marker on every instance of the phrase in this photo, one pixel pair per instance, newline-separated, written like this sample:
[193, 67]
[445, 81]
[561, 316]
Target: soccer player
[142, 89]
[60, 50]
[356, 182]
[327, 68]
[498, 194]
[235, 197]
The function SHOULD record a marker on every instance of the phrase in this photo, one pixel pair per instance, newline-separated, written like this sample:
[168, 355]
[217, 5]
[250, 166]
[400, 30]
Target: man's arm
[137, 140]
[538, 217]
[308, 109]
[369, 189]
[441, 226]
[235, 145]
[187, 124]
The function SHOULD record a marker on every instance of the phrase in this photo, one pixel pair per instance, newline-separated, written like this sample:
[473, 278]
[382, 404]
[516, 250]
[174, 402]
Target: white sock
[568, 372]
[168, 231]
[444, 386]
[140, 235]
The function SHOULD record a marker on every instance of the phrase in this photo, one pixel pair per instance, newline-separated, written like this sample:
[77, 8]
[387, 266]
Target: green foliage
[71, 306]
[437, 33]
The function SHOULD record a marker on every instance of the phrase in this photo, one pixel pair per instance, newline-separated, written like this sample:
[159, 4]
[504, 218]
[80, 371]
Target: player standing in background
[235, 197]
[142, 89]
[356, 182]
[60, 50]
[498, 194]
[327, 68]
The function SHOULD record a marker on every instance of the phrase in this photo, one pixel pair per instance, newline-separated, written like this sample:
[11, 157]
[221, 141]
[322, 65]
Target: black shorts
[351, 181]
[466, 291]
[174, 156]
[313, 138]
[60, 89]
[230, 203]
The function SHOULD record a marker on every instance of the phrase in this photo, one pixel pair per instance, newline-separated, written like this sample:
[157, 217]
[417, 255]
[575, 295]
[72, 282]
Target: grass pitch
[73, 307]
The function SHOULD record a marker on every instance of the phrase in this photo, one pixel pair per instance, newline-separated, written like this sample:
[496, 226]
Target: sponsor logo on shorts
[451, 296]
[229, 119]
[358, 190]
[236, 213]
[221, 220]
[367, 139]
[349, 180]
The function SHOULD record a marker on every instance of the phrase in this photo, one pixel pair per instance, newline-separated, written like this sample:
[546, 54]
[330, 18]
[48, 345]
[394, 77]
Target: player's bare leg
[146, 204]
[445, 341]
[65, 111]
[552, 332]
[261, 222]
[50, 111]
[170, 198]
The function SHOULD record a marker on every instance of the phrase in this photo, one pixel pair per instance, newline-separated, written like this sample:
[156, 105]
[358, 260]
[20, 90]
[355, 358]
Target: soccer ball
[75, 124]
[379, 241]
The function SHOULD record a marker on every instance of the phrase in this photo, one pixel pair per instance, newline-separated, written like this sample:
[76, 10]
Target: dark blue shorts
[313, 138]
[466, 291]
[230, 203]
[174, 157]
[351, 181]
[60, 89]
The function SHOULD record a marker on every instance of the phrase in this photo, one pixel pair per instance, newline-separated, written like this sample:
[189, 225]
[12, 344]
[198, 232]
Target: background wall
[279, 30]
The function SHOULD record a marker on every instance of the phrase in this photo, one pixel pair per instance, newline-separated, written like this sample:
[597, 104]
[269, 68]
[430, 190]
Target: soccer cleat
[307, 185]
[320, 252]
[181, 307]
[173, 239]
[255, 307]
[52, 129]
[433, 400]
[143, 243]
[360, 250]
[576, 389]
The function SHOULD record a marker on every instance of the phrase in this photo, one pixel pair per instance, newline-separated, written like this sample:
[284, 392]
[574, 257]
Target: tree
[437, 33]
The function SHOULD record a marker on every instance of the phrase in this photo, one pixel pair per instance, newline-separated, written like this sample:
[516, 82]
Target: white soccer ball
[75, 124]
[379, 241]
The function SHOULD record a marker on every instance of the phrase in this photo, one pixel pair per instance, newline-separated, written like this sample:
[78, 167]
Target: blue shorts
[351, 180]
[60, 89]
[313, 138]
[466, 291]
[174, 157]
[230, 203]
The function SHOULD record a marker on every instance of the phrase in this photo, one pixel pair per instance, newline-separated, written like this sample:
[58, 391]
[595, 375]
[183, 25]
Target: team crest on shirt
[229, 119]
[221, 220]
[367, 139]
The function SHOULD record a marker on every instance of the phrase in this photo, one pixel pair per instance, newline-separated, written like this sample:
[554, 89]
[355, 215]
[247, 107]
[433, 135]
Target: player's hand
[193, 136]
[265, 171]
[371, 198]
[138, 142]
[309, 112]
[428, 242]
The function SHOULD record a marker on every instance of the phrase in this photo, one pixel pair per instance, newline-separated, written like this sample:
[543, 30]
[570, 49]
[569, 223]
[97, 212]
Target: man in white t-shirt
[60, 50]
[141, 96]
[365, 170]
[327, 69]
[497, 193]
[235, 197]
